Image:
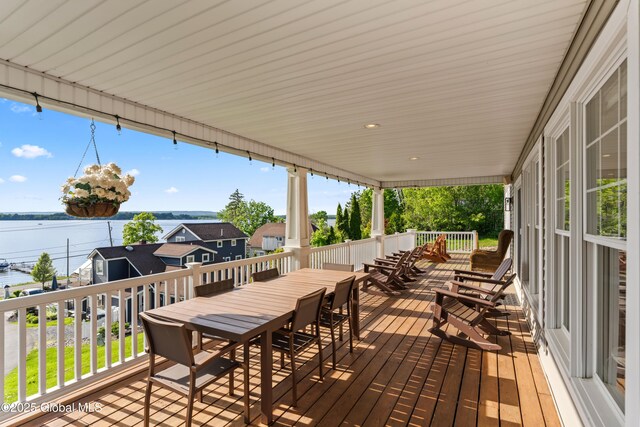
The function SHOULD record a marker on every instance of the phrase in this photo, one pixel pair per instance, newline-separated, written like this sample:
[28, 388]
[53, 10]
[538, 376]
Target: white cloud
[171, 190]
[1, 181]
[133, 172]
[21, 108]
[17, 178]
[264, 169]
[28, 151]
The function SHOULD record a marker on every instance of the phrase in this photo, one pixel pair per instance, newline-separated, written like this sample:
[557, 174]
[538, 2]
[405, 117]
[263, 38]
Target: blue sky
[37, 154]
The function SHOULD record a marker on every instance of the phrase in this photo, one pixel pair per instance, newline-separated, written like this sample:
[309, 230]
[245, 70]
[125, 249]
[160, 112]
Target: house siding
[227, 250]
[95, 278]
[188, 236]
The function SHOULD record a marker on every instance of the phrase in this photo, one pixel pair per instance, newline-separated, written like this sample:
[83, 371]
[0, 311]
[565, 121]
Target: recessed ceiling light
[606, 155]
[371, 126]
[413, 158]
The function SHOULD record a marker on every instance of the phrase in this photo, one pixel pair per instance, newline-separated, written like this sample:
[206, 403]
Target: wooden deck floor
[398, 375]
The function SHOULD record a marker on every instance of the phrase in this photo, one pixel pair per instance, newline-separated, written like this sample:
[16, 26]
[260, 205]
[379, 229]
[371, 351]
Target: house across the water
[269, 237]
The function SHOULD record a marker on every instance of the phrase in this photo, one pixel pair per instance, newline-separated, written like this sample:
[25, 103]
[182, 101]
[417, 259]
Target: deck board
[398, 375]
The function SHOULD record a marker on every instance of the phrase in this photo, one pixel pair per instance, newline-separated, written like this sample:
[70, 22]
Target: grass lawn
[488, 242]
[11, 380]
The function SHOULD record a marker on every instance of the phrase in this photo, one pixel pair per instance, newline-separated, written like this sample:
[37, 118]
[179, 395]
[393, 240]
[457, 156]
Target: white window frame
[233, 242]
[238, 257]
[227, 258]
[100, 267]
[180, 239]
[219, 243]
[191, 258]
[205, 257]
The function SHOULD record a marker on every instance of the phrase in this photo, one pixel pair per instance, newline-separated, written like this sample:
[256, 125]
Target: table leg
[355, 312]
[266, 387]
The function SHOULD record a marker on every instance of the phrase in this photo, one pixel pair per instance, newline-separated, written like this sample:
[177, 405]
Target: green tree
[43, 271]
[319, 217]
[339, 223]
[247, 216]
[142, 228]
[355, 220]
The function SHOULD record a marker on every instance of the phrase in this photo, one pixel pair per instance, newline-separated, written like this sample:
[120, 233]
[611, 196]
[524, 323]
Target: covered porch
[386, 95]
[399, 374]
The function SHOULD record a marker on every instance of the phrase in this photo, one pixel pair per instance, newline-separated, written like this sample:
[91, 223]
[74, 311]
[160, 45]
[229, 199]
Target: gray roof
[215, 230]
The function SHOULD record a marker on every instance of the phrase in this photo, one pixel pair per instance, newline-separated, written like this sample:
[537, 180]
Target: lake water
[24, 241]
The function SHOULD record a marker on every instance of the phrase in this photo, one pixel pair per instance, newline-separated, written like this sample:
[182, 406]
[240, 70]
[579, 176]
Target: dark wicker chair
[484, 260]
[191, 373]
[292, 339]
[332, 316]
[265, 275]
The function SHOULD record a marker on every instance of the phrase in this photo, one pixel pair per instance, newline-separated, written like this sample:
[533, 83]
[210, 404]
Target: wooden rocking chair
[468, 315]
[489, 290]
[386, 277]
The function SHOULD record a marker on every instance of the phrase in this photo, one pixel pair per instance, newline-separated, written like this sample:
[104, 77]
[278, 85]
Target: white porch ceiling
[458, 84]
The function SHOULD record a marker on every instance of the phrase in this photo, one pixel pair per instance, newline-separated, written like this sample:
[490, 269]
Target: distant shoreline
[61, 216]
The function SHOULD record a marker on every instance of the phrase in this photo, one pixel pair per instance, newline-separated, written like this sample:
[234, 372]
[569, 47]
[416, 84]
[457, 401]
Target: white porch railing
[92, 360]
[399, 242]
[350, 252]
[457, 241]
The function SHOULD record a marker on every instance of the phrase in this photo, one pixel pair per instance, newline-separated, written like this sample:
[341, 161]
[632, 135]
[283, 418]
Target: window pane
[622, 167]
[623, 90]
[592, 213]
[622, 197]
[608, 210]
[593, 118]
[609, 103]
[560, 214]
[611, 287]
[608, 172]
[593, 165]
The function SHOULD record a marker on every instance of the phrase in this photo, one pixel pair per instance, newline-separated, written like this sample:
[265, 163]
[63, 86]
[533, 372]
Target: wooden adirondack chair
[407, 273]
[385, 277]
[417, 256]
[468, 275]
[468, 315]
[437, 252]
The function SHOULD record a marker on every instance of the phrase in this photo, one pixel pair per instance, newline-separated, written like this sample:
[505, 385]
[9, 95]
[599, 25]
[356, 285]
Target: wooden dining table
[258, 309]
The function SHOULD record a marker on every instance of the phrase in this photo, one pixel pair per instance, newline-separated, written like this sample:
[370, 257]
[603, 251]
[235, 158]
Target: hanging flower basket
[98, 193]
[96, 210]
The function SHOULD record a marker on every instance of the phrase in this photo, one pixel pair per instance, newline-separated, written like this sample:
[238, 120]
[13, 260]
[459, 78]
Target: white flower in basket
[99, 186]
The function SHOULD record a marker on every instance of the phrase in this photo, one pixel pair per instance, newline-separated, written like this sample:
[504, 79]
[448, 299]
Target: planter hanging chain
[92, 141]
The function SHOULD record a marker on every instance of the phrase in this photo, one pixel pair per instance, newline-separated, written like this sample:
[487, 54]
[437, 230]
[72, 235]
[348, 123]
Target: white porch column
[298, 233]
[377, 219]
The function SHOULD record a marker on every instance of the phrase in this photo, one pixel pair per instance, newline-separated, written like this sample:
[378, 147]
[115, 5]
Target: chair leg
[320, 358]
[199, 396]
[294, 389]
[341, 333]
[333, 347]
[350, 335]
[247, 418]
[147, 403]
[187, 422]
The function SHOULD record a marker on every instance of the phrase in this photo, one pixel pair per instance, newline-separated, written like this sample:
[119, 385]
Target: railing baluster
[107, 329]
[94, 333]
[61, 344]
[22, 354]
[42, 348]
[77, 336]
[122, 306]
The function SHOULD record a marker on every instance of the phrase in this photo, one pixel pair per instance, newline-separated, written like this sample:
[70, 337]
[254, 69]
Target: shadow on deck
[398, 375]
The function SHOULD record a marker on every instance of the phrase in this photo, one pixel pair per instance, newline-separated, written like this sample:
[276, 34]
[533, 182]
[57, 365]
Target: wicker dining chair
[190, 374]
[337, 267]
[292, 339]
[332, 316]
[265, 275]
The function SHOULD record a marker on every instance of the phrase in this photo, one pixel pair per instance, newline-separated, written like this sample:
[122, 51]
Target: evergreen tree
[355, 220]
[342, 229]
[331, 236]
[43, 271]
